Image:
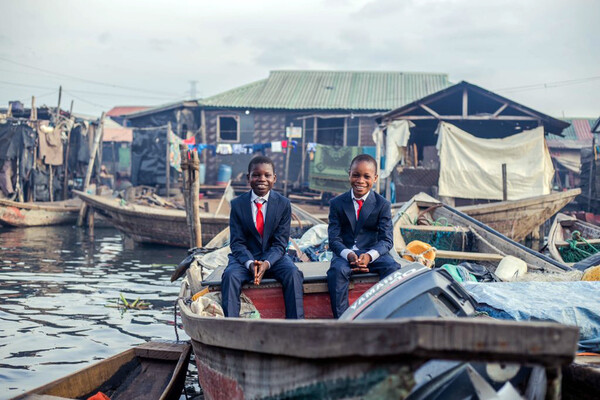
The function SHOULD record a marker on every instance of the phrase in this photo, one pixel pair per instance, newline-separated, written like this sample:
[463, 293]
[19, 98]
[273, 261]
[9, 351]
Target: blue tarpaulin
[570, 303]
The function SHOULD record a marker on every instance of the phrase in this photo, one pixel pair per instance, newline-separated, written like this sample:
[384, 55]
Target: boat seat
[315, 278]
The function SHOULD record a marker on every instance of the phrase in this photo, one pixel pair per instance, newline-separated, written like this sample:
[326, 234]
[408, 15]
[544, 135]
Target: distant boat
[565, 228]
[17, 214]
[518, 218]
[459, 237]
[145, 224]
[154, 370]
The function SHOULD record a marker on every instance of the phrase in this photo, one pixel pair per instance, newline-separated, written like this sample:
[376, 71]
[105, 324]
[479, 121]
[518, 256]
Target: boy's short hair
[260, 160]
[364, 157]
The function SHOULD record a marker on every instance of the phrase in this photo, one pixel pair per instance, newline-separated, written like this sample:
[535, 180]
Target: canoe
[154, 370]
[145, 224]
[241, 358]
[458, 237]
[17, 214]
[563, 232]
[518, 218]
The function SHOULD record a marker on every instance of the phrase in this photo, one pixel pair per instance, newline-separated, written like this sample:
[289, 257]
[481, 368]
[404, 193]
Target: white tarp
[471, 167]
[398, 133]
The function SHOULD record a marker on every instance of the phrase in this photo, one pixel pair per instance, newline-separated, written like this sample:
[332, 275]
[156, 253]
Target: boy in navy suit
[360, 233]
[259, 226]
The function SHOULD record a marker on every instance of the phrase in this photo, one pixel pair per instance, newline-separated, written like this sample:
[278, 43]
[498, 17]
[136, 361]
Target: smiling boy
[360, 233]
[259, 226]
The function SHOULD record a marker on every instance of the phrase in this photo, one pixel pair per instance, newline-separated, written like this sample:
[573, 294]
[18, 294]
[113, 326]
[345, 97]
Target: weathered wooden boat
[581, 378]
[517, 219]
[17, 214]
[272, 358]
[458, 237]
[571, 240]
[145, 224]
[154, 370]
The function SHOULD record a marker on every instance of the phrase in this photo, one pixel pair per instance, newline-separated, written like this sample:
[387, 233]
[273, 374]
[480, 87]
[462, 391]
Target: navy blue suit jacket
[245, 242]
[372, 231]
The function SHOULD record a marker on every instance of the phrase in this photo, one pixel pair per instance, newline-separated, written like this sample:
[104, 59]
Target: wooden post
[58, 107]
[378, 155]
[114, 157]
[195, 200]
[51, 182]
[203, 136]
[168, 159]
[186, 191]
[33, 113]
[504, 184]
[303, 149]
[66, 161]
[88, 175]
[222, 198]
[590, 179]
[287, 163]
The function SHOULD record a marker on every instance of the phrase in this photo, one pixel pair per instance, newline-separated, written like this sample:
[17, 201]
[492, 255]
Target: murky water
[58, 288]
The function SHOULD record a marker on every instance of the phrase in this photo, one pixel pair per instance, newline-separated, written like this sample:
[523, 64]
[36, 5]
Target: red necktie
[360, 204]
[260, 220]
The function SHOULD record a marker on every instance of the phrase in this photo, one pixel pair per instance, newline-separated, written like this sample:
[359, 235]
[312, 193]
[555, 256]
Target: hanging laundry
[51, 146]
[174, 153]
[224, 149]
[239, 149]
[202, 146]
[276, 147]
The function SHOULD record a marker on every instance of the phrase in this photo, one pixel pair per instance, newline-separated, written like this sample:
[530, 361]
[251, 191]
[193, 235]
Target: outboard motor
[413, 291]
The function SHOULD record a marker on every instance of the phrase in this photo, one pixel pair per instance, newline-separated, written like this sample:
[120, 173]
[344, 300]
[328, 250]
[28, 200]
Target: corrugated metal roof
[331, 90]
[117, 111]
[575, 136]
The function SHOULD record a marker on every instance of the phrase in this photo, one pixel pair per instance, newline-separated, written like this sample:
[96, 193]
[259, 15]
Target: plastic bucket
[202, 174]
[224, 174]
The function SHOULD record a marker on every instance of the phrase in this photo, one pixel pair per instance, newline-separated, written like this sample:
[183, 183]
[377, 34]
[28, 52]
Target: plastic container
[202, 174]
[510, 268]
[224, 174]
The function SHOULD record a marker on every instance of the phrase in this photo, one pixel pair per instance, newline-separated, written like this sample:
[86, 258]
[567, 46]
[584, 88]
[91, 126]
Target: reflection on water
[56, 288]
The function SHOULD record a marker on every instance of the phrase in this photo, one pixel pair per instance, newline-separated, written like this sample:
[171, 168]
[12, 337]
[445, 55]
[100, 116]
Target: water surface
[58, 288]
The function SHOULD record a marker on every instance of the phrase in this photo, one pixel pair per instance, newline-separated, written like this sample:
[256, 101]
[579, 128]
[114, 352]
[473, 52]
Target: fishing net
[578, 249]
[441, 240]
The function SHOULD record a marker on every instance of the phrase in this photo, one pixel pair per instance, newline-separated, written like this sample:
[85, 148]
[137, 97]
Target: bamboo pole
[195, 200]
[66, 162]
[51, 182]
[504, 183]
[303, 149]
[88, 175]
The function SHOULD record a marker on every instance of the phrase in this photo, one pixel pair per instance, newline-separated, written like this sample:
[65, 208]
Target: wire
[84, 79]
[548, 85]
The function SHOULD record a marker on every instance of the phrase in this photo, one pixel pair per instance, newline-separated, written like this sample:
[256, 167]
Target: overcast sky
[146, 52]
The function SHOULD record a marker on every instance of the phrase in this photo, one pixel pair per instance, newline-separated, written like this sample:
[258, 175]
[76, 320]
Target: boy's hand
[352, 258]
[362, 263]
[260, 267]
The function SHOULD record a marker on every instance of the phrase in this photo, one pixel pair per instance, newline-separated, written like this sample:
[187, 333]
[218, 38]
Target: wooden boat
[458, 237]
[566, 230]
[153, 370]
[518, 218]
[581, 379]
[145, 224]
[270, 358]
[17, 214]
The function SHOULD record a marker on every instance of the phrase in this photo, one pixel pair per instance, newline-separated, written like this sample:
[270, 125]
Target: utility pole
[193, 89]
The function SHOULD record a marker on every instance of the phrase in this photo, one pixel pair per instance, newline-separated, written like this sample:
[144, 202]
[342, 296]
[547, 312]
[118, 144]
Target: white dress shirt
[373, 253]
[265, 201]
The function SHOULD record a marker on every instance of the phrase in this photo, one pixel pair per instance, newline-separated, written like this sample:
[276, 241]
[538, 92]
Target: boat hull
[154, 370]
[153, 225]
[562, 229]
[17, 214]
[517, 219]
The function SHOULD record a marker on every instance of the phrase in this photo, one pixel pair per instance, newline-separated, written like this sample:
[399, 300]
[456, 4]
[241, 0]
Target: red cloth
[360, 204]
[191, 140]
[260, 221]
[99, 396]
